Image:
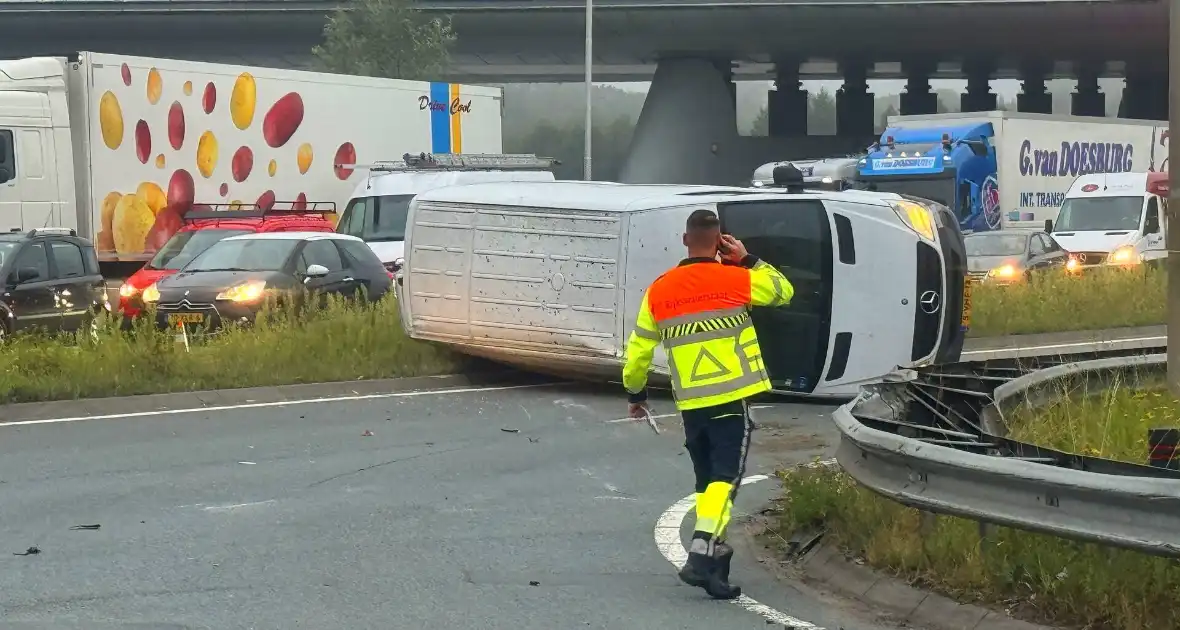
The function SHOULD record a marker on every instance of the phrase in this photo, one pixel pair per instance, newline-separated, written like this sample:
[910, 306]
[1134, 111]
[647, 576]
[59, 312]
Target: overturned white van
[548, 276]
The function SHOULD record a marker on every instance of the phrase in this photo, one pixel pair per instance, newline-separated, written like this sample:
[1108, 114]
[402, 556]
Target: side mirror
[27, 274]
[398, 263]
[1049, 226]
[315, 271]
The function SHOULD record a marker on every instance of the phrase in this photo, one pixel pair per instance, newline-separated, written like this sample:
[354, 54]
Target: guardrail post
[926, 526]
[1161, 448]
[986, 538]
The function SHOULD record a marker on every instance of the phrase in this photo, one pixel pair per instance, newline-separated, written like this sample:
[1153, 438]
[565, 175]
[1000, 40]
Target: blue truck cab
[954, 165]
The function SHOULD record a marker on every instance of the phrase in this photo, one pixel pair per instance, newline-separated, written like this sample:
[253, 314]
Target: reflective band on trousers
[712, 342]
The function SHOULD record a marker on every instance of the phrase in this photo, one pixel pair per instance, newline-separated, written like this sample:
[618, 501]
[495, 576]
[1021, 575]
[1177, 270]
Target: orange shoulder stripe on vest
[697, 288]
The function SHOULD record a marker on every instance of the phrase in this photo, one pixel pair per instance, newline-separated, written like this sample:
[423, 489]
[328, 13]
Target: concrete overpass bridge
[690, 49]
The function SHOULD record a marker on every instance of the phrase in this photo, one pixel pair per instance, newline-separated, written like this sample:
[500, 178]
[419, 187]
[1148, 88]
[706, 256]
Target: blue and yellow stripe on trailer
[446, 127]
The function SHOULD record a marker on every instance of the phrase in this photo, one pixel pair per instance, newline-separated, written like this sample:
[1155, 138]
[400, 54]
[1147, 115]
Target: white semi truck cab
[1114, 219]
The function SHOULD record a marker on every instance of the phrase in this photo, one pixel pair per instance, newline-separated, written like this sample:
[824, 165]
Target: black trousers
[717, 439]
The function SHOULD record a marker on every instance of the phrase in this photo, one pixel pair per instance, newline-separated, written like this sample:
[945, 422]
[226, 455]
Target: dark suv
[50, 281]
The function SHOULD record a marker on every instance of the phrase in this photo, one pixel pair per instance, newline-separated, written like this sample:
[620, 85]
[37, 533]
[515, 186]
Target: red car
[202, 229]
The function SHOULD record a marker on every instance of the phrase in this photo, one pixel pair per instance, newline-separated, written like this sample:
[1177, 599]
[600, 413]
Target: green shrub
[341, 342]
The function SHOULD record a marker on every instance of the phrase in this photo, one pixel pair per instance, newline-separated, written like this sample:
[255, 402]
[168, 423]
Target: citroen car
[1008, 256]
[231, 280]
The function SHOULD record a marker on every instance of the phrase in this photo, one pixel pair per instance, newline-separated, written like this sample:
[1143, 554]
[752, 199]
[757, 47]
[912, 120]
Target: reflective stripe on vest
[712, 353]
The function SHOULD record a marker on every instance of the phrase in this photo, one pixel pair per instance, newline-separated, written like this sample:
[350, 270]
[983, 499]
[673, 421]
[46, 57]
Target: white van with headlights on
[376, 213]
[549, 276]
[1117, 219]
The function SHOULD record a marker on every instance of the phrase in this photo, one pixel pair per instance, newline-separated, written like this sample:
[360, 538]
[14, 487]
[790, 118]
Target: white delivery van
[549, 276]
[120, 147]
[378, 208]
[1117, 218]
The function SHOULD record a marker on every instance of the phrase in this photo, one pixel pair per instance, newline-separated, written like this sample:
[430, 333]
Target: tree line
[392, 39]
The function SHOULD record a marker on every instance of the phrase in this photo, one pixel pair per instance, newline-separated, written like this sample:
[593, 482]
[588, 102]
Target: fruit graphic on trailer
[153, 196]
[110, 120]
[143, 141]
[167, 224]
[176, 125]
[160, 161]
[181, 191]
[243, 100]
[207, 154]
[188, 88]
[155, 86]
[106, 240]
[303, 158]
[224, 190]
[126, 73]
[266, 201]
[345, 159]
[300, 202]
[272, 168]
[283, 119]
[131, 222]
[241, 164]
[209, 98]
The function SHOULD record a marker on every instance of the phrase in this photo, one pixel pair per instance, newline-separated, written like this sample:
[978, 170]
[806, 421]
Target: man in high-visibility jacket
[699, 311]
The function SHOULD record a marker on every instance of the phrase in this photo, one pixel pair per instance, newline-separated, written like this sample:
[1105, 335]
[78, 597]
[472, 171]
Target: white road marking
[667, 536]
[279, 403]
[656, 417]
[226, 508]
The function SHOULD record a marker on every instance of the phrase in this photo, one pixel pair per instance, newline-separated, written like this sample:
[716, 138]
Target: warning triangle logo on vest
[706, 366]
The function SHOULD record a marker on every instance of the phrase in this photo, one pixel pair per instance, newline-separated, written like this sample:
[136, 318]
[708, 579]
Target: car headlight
[1005, 271]
[127, 291]
[245, 292]
[1072, 264]
[916, 216]
[151, 294]
[1124, 255]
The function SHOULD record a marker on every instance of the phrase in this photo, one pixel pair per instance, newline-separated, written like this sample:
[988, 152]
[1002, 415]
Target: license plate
[968, 285]
[180, 319]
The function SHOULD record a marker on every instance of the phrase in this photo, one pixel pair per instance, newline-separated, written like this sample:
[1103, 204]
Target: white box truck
[119, 148]
[1005, 169]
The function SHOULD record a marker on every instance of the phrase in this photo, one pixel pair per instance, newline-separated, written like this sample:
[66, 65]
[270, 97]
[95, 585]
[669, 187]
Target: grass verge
[1036, 577]
[1056, 303]
[339, 343]
[1111, 423]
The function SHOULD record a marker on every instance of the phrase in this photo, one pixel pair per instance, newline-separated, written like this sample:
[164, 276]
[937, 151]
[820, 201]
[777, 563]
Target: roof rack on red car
[255, 211]
[461, 162]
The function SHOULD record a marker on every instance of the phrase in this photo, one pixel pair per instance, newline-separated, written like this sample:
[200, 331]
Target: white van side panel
[528, 278]
[655, 245]
[874, 298]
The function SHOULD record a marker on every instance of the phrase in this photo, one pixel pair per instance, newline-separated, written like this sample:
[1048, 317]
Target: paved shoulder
[1065, 342]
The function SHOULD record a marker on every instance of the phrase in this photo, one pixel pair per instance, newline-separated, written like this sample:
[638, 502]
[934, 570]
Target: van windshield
[1099, 214]
[375, 219]
[185, 246]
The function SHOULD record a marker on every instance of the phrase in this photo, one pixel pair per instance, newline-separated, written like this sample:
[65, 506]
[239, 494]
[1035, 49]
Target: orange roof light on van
[1157, 184]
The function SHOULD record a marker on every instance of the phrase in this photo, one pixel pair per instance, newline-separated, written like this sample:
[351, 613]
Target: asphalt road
[289, 517]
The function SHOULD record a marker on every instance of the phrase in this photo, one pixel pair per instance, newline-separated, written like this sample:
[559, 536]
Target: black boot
[696, 571]
[718, 586]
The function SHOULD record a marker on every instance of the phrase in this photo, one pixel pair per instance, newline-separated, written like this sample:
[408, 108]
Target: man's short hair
[702, 220]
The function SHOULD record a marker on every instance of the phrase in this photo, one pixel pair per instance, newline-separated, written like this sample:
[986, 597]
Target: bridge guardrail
[934, 439]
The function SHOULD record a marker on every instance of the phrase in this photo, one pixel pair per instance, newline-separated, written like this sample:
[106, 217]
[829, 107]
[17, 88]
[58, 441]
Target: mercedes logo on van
[1081, 258]
[929, 302]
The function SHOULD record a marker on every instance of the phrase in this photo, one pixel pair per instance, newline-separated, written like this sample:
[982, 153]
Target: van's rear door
[531, 279]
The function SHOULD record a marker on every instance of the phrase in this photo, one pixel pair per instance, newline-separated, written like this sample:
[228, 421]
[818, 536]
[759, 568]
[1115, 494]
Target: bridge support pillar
[786, 105]
[917, 98]
[854, 103]
[687, 131]
[1088, 100]
[978, 97]
[1034, 97]
[1145, 95]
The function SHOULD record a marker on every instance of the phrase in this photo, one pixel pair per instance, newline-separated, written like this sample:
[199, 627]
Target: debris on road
[31, 551]
[367, 433]
[534, 440]
[81, 527]
[511, 430]
[534, 583]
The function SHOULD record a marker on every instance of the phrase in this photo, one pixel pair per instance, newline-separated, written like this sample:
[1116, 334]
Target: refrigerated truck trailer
[119, 148]
[999, 169]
